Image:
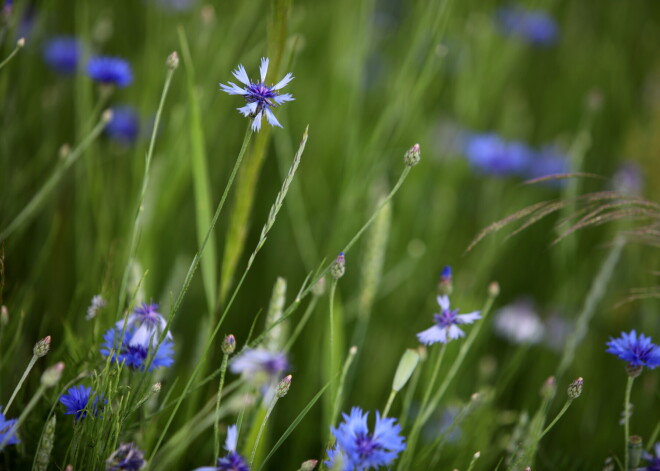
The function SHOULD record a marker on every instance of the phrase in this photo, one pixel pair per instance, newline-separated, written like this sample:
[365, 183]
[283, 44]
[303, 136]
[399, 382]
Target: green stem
[36, 201]
[21, 418]
[261, 429]
[301, 325]
[33, 360]
[475, 457]
[18, 47]
[568, 403]
[223, 370]
[186, 285]
[626, 422]
[145, 181]
[332, 326]
[390, 400]
[342, 381]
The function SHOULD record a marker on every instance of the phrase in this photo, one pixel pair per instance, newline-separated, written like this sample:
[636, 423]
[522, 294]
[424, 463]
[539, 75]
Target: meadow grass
[276, 279]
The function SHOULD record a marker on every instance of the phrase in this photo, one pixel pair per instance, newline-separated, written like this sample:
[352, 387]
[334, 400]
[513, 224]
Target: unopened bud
[477, 455]
[412, 156]
[549, 387]
[172, 61]
[635, 451]
[308, 465]
[41, 347]
[65, 150]
[406, 367]
[106, 117]
[634, 370]
[283, 386]
[156, 387]
[52, 375]
[338, 267]
[319, 287]
[575, 388]
[445, 286]
[494, 289]
[20, 43]
[423, 353]
[4, 316]
[229, 344]
[528, 468]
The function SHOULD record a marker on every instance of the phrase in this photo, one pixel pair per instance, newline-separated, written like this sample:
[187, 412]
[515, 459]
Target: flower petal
[443, 301]
[233, 89]
[241, 75]
[248, 109]
[279, 99]
[284, 82]
[263, 69]
[256, 123]
[272, 119]
[468, 318]
[432, 335]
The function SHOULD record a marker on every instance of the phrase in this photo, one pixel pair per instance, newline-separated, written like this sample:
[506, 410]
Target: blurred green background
[372, 79]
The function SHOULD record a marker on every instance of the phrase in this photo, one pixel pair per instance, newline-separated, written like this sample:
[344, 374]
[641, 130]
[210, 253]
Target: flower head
[519, 323]
[7, 431]
[232, 461]
[110, 71]
[134, 354]
[76, 401]
[124, 126]
[260, 97]
[446, 324]
[257, 363]
[636, 350]
[492, 155]
[358, 449]
[148, 324]
[652, 462]
[62, 54]
[535, 27]
[548, 161]
[128, 457]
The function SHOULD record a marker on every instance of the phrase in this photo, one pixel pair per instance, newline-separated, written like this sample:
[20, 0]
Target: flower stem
[340, 388]
[20, 383]
[556, 419]
[21, 418]
[223, 370]
[301, 325]
[11, 55]
[626, 421]
[261, 429]
[333, 287]
[390, 400]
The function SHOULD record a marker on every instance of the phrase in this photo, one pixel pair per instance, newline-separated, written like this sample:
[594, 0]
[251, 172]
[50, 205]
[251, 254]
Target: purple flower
[148, 325]
[135, 354]
[637, 351]
[232, 461]
[547, 162]
[535, 27]
[76, 401]
[653, 462]
[62, 54]
[256, 363]
[358, 449]
[519, 323]
[7, 431]
[260, 97]
[110, 71]
[124, 126]
[128, 457]
[446, 324]
[492, 155]
[628, 179]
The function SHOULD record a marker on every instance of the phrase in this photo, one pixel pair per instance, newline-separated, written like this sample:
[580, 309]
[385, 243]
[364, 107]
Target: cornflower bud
[549, 387]
[156, 387]
[4, 316]
[308, 465]
[172, 61]
[41, 347]
[20, 43]
[52, 375]
[445, 286]
[575, 388]
[319, 288]
[412, 156]
[106, 117]
[338, 267]
[494, 289]
[283, 386]
[229, 344]
[634, 370]
[635, 451]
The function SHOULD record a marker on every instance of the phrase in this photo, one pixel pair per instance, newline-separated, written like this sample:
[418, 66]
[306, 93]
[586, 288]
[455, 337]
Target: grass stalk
[19, 45]
[33, 360]
[223, 370]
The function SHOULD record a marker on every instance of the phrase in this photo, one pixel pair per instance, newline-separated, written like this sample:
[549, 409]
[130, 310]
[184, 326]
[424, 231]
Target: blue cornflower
[490, 154]
[535, 27]
[148, 324]
[128, 457]
[260, 97]
[232, 461]
[360, 450]
[637, 351]
[135, 354]
[124, 126]
[76, 401]
[7, 431]
[255, 363]
[62, 54]
[548, 161]
[110, 71]
[653, 462]
[446, 324]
